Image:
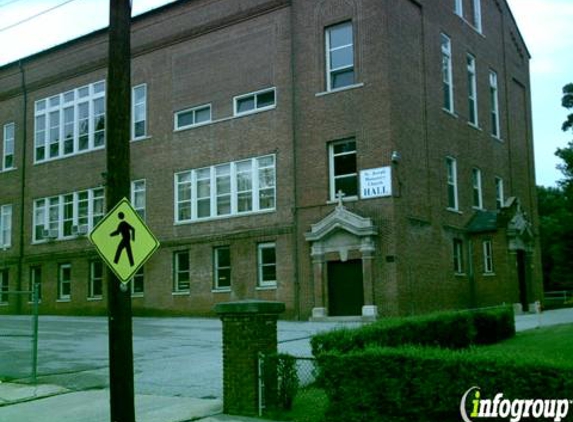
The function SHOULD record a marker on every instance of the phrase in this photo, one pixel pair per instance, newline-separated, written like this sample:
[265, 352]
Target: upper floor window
[138, 197]
[494, 104]
[499, 193]
[69, 215]
[223, 190]
[70, 123]
[339, 56]
[8, 149]
[458, 256]
[222, 268]
[139, 112]
[472, 90]
[477, 189]
[5, 226]
[476, 21]
[255, 101]
[181, 271]
[452, 173]
[343, 169]
[447, 74]
[64, 282]
[487, 257]
[193, 117]
[459, 7]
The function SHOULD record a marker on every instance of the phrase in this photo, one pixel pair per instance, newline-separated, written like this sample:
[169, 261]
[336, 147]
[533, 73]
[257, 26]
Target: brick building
[347, 157]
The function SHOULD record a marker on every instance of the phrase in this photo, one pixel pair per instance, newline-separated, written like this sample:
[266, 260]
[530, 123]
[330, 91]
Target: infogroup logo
[515, 410]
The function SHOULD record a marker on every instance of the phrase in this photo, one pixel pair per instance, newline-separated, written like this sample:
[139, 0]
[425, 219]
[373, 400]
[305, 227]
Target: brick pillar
[249, 327]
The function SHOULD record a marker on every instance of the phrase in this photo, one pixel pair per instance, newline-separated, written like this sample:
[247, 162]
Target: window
[487, 257]
[36, 280]
[267, 265]
[339, 56]
[459, 7]
[222, 271]
[343, 169]
[68, 216]
[499, 193]
[458, 256]
[70, 123]
[452, 172]
[181, 271]
[477, 15]
[4, 286]
[447, 75]
[224, 190]
[8, 155]
[476, 189]
[494, 104]
[64, 282]
[5, 226]
[256, 101]
[138, 197]
[472, 90]
[137, 283]
[193, 117]
[95, 287]
[139, 112]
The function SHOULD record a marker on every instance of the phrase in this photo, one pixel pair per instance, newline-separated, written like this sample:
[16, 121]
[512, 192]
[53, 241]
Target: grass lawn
[309, 406]
[550, 344]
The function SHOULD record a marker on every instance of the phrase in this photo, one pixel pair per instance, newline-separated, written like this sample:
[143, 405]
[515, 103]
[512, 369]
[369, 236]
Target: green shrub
[454, 330]
[427, 384]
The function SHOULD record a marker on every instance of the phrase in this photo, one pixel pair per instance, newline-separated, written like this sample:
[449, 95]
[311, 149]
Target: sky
[545, 26]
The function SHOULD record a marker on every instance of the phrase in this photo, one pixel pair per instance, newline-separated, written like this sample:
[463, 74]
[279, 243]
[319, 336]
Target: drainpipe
[20, 279]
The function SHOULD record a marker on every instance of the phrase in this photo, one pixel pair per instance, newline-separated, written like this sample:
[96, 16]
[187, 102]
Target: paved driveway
[172, 356]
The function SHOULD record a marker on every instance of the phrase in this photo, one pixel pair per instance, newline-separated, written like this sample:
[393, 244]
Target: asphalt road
[172, 356]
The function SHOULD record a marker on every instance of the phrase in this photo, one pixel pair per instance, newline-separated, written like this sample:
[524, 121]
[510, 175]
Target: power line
[9, 2]
[34, 16]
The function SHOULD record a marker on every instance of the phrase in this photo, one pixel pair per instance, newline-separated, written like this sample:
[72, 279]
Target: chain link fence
[288, 387]
[19, 338]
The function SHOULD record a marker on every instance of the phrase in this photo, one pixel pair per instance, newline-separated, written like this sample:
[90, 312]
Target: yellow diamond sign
[123, 240]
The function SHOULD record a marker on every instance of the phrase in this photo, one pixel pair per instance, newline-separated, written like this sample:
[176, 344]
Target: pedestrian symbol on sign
[125, 229]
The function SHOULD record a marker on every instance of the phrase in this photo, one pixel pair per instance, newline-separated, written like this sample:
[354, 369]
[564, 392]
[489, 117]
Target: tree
[566, 154]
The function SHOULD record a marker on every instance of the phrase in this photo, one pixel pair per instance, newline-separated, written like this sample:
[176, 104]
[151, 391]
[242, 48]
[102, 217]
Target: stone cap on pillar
[265, 307]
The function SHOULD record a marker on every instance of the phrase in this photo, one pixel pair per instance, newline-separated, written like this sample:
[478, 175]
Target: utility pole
[118, 113]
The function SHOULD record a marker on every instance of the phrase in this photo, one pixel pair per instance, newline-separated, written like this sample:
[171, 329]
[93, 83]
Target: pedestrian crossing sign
[123, 240]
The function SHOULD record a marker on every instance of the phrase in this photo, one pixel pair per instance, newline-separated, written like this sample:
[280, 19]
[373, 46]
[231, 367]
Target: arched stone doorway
[342, 251]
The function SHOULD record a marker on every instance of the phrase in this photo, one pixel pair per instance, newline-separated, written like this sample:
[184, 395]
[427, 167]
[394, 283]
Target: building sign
[375, 183]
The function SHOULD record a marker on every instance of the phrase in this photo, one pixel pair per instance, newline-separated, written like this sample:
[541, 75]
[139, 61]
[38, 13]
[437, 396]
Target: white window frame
[477, 23]
[134, 107]
[4, 286]
[333, 177]
[35, 279]
[52, 210]
[447, 72]
[488, 257]
[140, 276]
[260, 265]
[51, 111]
[472, 91]
[61, 281]
[499, 193]
[477, 192]
[458, 247]
[459, 8]
[9, 135]
[187, 184]
[177, 271]
[256, 108]
[193, 111]
[217, 268]
[6, 226]
[138, 197]
[95, 279]
[328, 50]
[452, 182]
[494, 104]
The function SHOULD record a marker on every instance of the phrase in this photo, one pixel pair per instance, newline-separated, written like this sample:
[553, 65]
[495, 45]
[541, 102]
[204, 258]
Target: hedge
[427, 384]
[454, 330]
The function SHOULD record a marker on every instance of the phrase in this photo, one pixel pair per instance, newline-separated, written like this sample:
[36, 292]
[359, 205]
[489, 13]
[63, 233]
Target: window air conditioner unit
[50, 234]
[80, 230]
